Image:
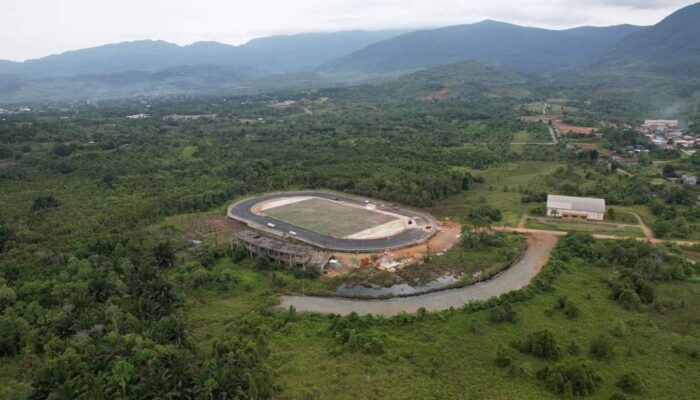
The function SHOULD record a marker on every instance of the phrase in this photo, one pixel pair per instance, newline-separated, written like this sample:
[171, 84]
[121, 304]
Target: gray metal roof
[576, 203]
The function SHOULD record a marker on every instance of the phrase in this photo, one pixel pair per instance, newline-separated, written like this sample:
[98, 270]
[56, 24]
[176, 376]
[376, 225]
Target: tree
[540, 344]
[164, 255]
[6, 236]
[573, 378]
[122, 372]
[44, 202]
[669, 170]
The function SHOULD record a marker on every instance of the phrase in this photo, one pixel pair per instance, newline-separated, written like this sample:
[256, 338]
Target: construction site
[329, 231]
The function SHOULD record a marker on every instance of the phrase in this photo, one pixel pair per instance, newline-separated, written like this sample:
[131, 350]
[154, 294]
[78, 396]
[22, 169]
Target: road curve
[516, 277]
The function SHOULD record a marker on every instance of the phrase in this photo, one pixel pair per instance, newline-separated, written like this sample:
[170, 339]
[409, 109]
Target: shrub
[571, 310]
[629, 299]
[540, 344]
[630, 383]
[503, 313]
[262, 262]
[573, 348]
[618, 396]
[486, 212]
[571, 379]
[473, 326]
[601, 348]
[237, 253]
[44, 202]
[503, 356]
[688, 349]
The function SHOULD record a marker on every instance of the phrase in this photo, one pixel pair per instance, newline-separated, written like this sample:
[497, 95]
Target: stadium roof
[576, 203]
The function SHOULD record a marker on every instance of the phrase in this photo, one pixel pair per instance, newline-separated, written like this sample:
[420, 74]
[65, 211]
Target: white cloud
[35, 28]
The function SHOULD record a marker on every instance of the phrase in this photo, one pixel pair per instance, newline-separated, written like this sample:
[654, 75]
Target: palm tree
[122, 372]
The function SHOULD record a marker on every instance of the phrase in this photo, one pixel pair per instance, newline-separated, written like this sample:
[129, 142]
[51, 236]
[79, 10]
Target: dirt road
[597, 236]
[516, 277]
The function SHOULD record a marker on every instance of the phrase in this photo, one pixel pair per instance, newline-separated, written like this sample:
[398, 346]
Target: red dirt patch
[446, 237]
[565, 129]
[438, 94]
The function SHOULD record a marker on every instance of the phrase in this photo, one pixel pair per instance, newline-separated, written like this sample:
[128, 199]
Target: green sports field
[328, 217]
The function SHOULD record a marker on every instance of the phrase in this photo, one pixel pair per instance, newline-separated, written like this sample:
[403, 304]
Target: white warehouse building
[575, 207]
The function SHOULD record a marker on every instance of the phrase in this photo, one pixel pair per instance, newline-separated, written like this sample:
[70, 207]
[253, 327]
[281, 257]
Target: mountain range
[155, 68]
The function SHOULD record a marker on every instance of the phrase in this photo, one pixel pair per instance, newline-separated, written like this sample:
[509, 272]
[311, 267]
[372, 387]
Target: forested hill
[531, 50]
[458, 80]
[671, 46]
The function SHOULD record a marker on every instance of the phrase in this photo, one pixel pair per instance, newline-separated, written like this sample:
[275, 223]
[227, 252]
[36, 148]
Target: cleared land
[329, 217]
[592, 228]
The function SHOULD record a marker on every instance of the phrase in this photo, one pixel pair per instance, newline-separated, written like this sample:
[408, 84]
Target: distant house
[575, 207]
[689, 179]
[660, 124]
[138, 116]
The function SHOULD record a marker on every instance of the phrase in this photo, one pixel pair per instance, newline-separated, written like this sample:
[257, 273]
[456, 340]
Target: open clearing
[587, 227]
[329, 217]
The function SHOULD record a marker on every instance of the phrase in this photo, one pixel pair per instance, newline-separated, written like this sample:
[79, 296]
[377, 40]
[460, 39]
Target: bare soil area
[448, 235]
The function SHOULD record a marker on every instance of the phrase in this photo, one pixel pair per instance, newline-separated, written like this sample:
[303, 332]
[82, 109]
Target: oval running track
[540, 247]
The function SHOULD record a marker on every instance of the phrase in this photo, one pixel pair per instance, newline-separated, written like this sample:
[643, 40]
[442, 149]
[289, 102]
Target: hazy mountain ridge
[617, 56]
[672, 46]
[524, 49]
[275, 54]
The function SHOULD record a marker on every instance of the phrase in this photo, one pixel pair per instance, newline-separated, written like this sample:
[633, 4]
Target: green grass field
[328, 217]
[451, 355]
[531, 137]
[628, 231]
[500, 190]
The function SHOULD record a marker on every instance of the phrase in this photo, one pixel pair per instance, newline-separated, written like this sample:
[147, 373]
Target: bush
[503, 313]
[571, 379]
[237, 253]
[486, 212]
[44, 202]
[262, 262]
[601, 348]
[540, 344]
[630, 383]
[573, 348]
[571, 311]
[503, 356]
[629, 300]
[618, 396]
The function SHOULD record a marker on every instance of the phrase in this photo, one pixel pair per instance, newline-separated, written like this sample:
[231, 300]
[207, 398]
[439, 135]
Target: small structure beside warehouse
[689, 179]
[575, 207]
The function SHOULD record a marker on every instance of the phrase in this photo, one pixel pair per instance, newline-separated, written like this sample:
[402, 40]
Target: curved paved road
[241, 211]
[516, 277]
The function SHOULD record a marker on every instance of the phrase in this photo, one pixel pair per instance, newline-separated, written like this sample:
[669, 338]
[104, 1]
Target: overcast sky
[36, 28]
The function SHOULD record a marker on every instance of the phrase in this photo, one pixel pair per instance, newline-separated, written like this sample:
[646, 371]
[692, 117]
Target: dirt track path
[516, 277]
[597, 236]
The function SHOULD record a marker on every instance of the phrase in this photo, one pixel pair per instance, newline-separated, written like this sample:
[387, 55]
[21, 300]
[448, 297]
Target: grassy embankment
[451, 354]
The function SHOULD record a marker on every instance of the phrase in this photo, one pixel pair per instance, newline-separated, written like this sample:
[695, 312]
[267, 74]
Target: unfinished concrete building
[285, 253]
